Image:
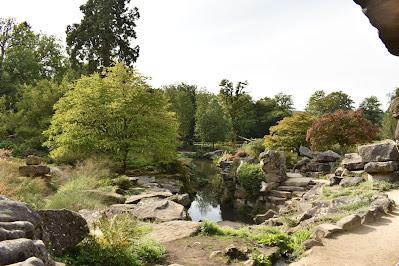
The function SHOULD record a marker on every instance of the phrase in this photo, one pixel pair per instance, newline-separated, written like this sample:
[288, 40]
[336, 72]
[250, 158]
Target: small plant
[296, 243]
[261, 260]
[251, 177]
[211, 229]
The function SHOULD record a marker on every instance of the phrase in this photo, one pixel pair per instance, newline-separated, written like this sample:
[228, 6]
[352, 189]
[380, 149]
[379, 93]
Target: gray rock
[305, 151]
[34, 170]
[389, 177]
[383, 202]
[267, 187]
[29, 262]
[216, 254]
[183, 199]
[261, 218]
[381, 167]
[326, 230]
[19, 250]
[352, 162]
[339, 171]
[310, 243]
[335, 180]
[318, 167]
[65, 229]
[174, 230]
[350, 222]
[327, 157]
[298, 182]
[107, 198]
[236, 253]
[160, 210]
[137, 198]
[382, 152]
[367, 217]
[273, 166]
[301, 165]
[351, 181]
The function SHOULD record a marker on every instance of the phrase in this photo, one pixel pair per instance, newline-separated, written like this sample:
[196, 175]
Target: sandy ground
[375, 245]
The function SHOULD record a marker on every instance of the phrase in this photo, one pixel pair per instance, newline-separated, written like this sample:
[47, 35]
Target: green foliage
[342, 128]
[269, 111]
[73, 195]
[320, 103]
[211, 122]
[239, 107]
[35, 110]
[211, 229]
[182, 100]
[254, 148]
[261, 260]
[117, 115]
[122, 242]
[388, 127]
[250, 177]
[371, 108]
[296, 243]
[290, 133]
[364, 189]
[267, 236]
[103, 36]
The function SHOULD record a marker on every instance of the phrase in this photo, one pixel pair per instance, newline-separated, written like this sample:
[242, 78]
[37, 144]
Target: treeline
[87, 99]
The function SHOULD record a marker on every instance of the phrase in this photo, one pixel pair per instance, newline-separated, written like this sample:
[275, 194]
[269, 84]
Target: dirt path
[375, 245]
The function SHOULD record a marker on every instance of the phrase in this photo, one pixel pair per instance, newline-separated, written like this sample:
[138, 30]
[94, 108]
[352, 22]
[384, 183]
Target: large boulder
[33, 160]
[34, 170]
[327, 157]
[381, 167]
[64, 228]
[273, 165]
[137, 198]
[318, 167]
[174, 230]
[351, 181]
[20, 250]
[350, 222]
[159, 210]
[380, 152]
[305, 151]
[352, 162]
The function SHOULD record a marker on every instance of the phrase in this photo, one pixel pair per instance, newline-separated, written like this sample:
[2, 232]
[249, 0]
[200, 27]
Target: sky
[289, 46]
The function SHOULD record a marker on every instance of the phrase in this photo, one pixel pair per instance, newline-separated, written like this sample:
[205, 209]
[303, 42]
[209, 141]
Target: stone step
[291, 188]
[280, 194]
[276, 200]
[298, 181]
[298, 194]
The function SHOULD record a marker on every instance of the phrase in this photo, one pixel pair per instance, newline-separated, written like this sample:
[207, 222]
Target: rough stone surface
[267, 187]
[381, 152]
[326, 230]
[19, 250]
[351, 181]
[161, 210]
[305, 151]
[137, 198]
[350, 222]
[261, 218]
[174, 230]
[352, 162]
[236, 253]
[383, 202]
[298, 182]
[273, 165]
[318, 167]
[327, 157]
[335, 180]
[107, 198]
[29, 262]
[183, 199]
[389, 177]
[65, 229]
[308, 244]
[383, 15]
[381, 167]
[34, 170]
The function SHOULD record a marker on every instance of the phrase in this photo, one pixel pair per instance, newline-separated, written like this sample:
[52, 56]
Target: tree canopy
[117, 115]
[371, 108]
[104, 36]
[320, 103]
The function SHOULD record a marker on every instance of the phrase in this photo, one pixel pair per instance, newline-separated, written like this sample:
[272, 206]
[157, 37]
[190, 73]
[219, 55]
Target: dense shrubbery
[122, 242]
[343, 128]
[254, 148]
[290, 133]
[250, 177]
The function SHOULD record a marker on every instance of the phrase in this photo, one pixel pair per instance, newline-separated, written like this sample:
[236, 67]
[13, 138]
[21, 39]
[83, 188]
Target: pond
[207, 202]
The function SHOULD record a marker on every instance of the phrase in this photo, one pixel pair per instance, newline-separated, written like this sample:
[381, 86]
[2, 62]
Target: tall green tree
[212, 124]
[182, 98]
[371, 108]
[115, 114]
[320, 103]
[104, 36]
[35, 110]
[239, 106]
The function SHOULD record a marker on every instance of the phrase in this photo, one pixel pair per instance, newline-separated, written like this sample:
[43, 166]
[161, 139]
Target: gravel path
[375, 245]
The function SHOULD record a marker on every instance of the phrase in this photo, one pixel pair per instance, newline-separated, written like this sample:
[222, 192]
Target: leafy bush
[251, 177]
[290, 133]
[211, 229]
[254, 148]
[343, 128]
[296, 242]
[121, 243]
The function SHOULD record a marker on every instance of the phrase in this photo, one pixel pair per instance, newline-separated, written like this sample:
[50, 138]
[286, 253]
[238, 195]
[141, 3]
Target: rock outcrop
[33, 167]
[383, 14]
[24, 237]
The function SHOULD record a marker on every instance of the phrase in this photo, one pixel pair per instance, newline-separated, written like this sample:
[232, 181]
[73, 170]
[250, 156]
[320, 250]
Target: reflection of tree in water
[208, 195]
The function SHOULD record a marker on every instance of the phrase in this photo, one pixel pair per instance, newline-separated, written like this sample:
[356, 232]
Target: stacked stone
[34, 167]
[26, 235]
[380, 160]
[316, 163]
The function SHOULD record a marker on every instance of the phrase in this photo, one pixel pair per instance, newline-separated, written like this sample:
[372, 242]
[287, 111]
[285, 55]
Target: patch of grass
[261, 259]
[356, 206]
[211, 229]
[122, 242]
[296, 243]
[251, 177]
[73, 194]
[364, 189]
